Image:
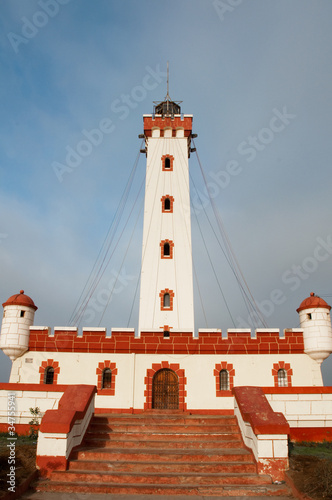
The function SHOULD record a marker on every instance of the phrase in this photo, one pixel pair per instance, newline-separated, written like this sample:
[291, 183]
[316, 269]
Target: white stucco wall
[80, 368]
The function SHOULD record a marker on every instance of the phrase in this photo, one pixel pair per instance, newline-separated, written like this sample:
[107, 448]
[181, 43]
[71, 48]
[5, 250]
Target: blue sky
[255, 74]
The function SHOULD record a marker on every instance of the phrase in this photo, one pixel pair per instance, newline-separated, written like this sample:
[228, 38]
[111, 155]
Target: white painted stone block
[285, 397]
[278, 406]
[310, 397]
[327, 397]
[265, 448]
[298, 408]
[280, 448]
[322, 407]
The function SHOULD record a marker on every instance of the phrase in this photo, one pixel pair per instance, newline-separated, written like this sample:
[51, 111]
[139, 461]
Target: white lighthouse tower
[18, 315]
[166, 296]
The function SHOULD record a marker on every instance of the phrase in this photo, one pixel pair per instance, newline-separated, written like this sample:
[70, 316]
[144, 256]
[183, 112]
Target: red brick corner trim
[47, 364]
[175, 367]
[231, 372]
[282, 366]
[99, 371]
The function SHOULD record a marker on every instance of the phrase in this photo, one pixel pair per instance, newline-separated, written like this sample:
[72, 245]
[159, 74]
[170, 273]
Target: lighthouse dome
[20, 299]
[313, 302]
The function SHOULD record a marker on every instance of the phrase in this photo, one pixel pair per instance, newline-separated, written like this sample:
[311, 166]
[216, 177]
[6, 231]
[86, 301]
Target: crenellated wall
[154, 342]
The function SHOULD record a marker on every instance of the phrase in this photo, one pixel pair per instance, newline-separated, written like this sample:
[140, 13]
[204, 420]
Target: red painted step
[162, 453]
[160, 478]
[163, 429]
[163, 467]
[155, 489]
[155, 455]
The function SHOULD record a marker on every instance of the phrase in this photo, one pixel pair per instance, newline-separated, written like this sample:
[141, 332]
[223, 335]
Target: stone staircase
[163, 452]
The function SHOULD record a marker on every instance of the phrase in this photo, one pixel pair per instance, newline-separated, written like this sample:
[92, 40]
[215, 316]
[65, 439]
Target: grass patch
[319, 450]
[19, 440]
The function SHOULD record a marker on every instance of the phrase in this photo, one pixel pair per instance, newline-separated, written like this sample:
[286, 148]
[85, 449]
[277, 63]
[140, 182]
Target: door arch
[165, 390]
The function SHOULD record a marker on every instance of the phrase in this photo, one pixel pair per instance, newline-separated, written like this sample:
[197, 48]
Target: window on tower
[167, 203]
[167, 162]
[166, 247]
[167, 301]
[22, 314]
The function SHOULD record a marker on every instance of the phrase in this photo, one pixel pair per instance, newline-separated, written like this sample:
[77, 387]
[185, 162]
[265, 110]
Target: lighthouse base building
[269, 380]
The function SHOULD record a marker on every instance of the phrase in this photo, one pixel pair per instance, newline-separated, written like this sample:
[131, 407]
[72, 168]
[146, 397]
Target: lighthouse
[166, 294]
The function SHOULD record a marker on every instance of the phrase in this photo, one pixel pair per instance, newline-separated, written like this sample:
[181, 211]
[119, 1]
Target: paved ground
[86, 496]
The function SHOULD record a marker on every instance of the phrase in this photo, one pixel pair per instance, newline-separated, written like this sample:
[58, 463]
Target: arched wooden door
[165, 390]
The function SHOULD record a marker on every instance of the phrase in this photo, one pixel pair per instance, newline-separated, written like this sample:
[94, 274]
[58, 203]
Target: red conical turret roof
[19, 299]
[313, 302]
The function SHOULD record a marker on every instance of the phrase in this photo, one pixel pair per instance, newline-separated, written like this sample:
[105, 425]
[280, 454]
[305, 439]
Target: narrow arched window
[282, 378]
[224, 380]
[167, 300]
[167, 251]
[167, 163]
[106, 379]
[167, 204]
[49, 375]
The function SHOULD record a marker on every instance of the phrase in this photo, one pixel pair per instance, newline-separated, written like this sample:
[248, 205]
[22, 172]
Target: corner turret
[315, 320]
[18, 315]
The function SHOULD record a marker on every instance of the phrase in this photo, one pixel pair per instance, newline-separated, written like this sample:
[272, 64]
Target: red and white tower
[166, 296]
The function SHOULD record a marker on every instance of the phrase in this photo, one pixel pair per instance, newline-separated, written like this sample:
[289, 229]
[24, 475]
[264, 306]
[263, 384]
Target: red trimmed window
[166, 300]
[282, 374]
[167, 163]
[106, 372]
[224, 373]
[167, 204]
[166, 247]
[49, 371]
[149, 379]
